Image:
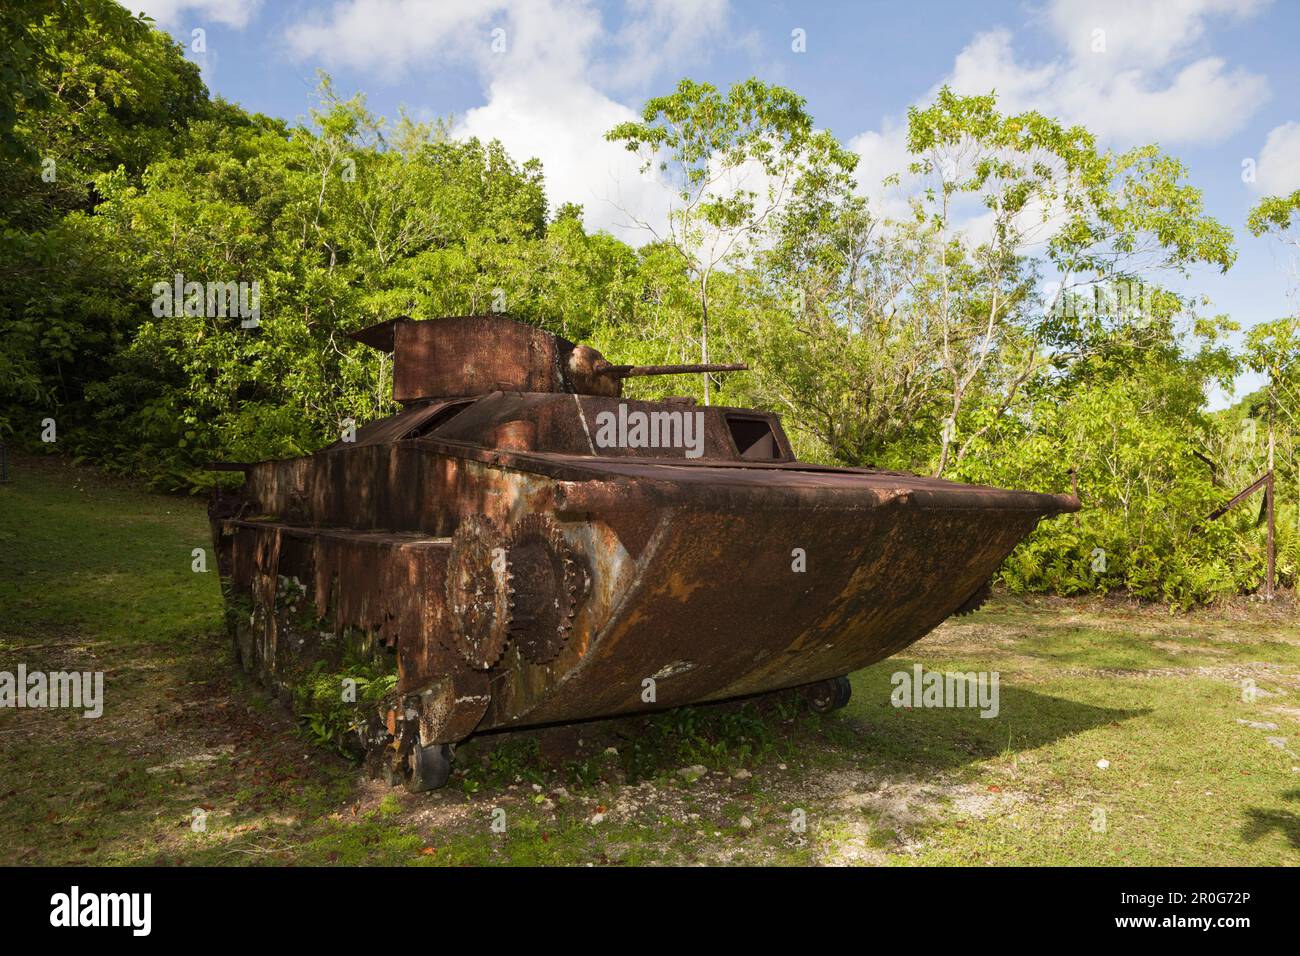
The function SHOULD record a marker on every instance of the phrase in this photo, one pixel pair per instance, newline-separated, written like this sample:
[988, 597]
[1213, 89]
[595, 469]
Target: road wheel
[828, 695]
[430, 767]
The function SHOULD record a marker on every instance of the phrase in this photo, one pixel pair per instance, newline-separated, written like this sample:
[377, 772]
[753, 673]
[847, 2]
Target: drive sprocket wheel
[479, 592]
[547, 585]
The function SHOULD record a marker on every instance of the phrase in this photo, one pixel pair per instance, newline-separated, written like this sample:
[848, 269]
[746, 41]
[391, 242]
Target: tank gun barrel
[629, 371]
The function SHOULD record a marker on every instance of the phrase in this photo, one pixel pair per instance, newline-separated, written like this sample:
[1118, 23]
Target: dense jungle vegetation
[1007, 315]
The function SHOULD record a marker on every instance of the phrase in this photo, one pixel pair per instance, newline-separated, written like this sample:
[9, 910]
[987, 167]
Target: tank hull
[701, 581]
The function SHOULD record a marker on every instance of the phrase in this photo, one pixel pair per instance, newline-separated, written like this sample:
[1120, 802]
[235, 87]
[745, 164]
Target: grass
[191, 764]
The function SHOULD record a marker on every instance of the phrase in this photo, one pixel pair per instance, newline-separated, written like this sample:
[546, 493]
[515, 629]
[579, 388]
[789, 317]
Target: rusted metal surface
[467, 355]
[1266, 515]
[1261, 482]
[631, 371]
[516, 568]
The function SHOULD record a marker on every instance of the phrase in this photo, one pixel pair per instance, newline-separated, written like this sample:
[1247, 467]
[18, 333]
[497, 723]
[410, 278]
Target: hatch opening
[754, 438]
[438, 419]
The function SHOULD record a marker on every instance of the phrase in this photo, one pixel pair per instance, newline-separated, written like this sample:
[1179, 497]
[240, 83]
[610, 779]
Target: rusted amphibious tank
[522, 546]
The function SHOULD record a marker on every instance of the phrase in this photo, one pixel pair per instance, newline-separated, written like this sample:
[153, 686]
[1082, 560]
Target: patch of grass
[716, 737]
[507, 760]
[94, 557]
[1164, 702]
[329, 716]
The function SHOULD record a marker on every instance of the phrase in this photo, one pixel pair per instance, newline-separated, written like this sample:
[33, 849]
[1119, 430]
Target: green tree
[1101, 219]
[85, 88]
[919, 334]
[730, 162]
[343, 221]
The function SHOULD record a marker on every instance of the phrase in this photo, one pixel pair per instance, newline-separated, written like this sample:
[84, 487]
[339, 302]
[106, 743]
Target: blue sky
[1214, 82]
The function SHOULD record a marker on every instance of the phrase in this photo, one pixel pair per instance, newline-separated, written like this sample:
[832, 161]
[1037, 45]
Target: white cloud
[659, 32]
[1142, 34]
[389, 37]
[542, 91]
[1147, 86]
[1200, 102]
[580, 165]
[1205, 102]
[170, 14]
[1278, 170]
[882, 153]
[541, 102]
[988, 62]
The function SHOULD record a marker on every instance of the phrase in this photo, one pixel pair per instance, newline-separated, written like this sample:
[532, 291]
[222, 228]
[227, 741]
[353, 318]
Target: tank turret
[472, 355]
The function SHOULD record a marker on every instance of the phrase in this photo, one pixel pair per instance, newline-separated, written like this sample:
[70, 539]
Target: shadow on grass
[1261, 822]
[949, 737]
